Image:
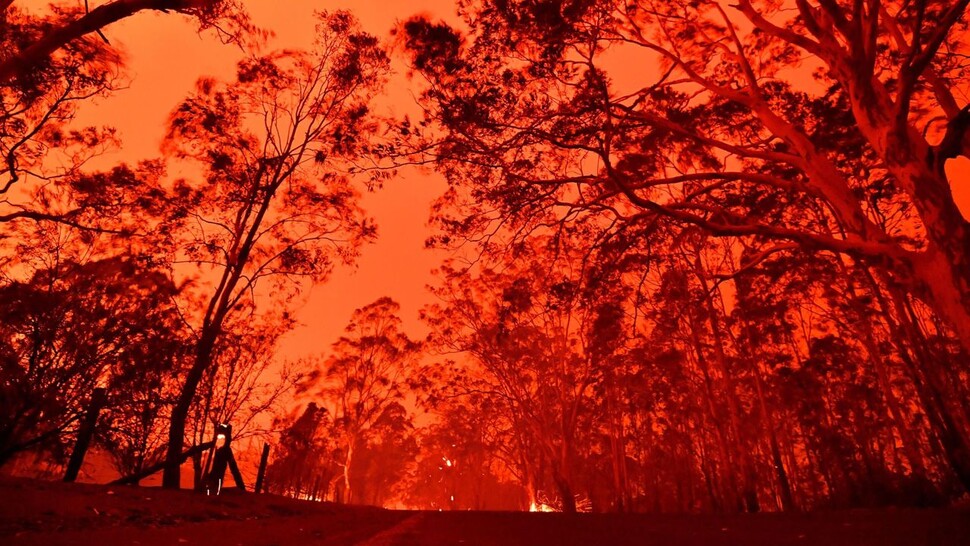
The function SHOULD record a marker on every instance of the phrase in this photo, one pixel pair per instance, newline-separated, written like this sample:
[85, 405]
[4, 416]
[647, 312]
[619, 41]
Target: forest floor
[51, 514]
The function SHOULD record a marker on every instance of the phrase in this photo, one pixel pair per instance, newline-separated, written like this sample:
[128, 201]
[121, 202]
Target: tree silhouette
[71, 27]
[52, 65]
[274, 202]
[456, 468]
[362, 383]
[76, 326]
[304, 454]
[537, 129]
[539, 343]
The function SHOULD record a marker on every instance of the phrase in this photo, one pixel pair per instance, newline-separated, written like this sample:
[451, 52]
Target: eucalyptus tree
[44, 38]
[363, 382]
[53, 63]
[537, 122]
[537, 341]
[74, 327]
[274, 205]
[824, 127]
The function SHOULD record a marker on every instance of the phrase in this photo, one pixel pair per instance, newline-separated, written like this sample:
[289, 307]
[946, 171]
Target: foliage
[363, 382]
[274, 203]
[68, 329]
[530, 122]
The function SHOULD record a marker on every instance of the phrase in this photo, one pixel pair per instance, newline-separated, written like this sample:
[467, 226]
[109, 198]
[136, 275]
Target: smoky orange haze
[166, 56]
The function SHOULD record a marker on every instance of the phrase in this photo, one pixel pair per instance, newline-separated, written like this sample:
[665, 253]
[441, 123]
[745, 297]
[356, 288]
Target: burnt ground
[50, 513]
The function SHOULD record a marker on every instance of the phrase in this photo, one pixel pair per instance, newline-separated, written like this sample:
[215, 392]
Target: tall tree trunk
[940, 274]
[749, 487]
[171, 476]
[348, 460]
[621, 488]
[767, 417]
[565, 491]
[530, 490]
[946, 285]
[784, 485]
[868, 338]
[920, 362]
[728, 473]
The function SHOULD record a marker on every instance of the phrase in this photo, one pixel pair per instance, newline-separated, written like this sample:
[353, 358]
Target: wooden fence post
[261, 474]
[222, 458]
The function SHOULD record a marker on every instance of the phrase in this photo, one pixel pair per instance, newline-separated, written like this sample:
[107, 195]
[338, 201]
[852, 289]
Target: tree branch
[918, 65]
[90, 22]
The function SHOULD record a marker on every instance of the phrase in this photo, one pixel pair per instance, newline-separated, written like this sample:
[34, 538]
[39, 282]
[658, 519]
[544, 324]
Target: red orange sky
[166, 56]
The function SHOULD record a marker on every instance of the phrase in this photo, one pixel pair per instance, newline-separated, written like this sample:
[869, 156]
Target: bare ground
[50, 513]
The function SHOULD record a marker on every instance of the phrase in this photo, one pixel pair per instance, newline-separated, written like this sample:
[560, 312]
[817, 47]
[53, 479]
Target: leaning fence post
[84, 434]
[262, 469]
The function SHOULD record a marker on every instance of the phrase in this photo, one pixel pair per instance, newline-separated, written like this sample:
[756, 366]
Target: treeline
[672, 382]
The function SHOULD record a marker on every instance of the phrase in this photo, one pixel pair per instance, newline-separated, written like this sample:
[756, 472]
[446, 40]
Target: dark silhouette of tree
[726, 380]
[72, 328]
[457, 467]
[274, 202]
[53, 64]
[383, 458]
[247, 383]
[836, 183]
[38, 105]
[303, 455]
[536, 126]
[538, 349]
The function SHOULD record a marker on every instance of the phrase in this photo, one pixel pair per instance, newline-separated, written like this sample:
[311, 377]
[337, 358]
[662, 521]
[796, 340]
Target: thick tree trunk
[945, 277]
[198, 472]
[171, 477]
[942, 271]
